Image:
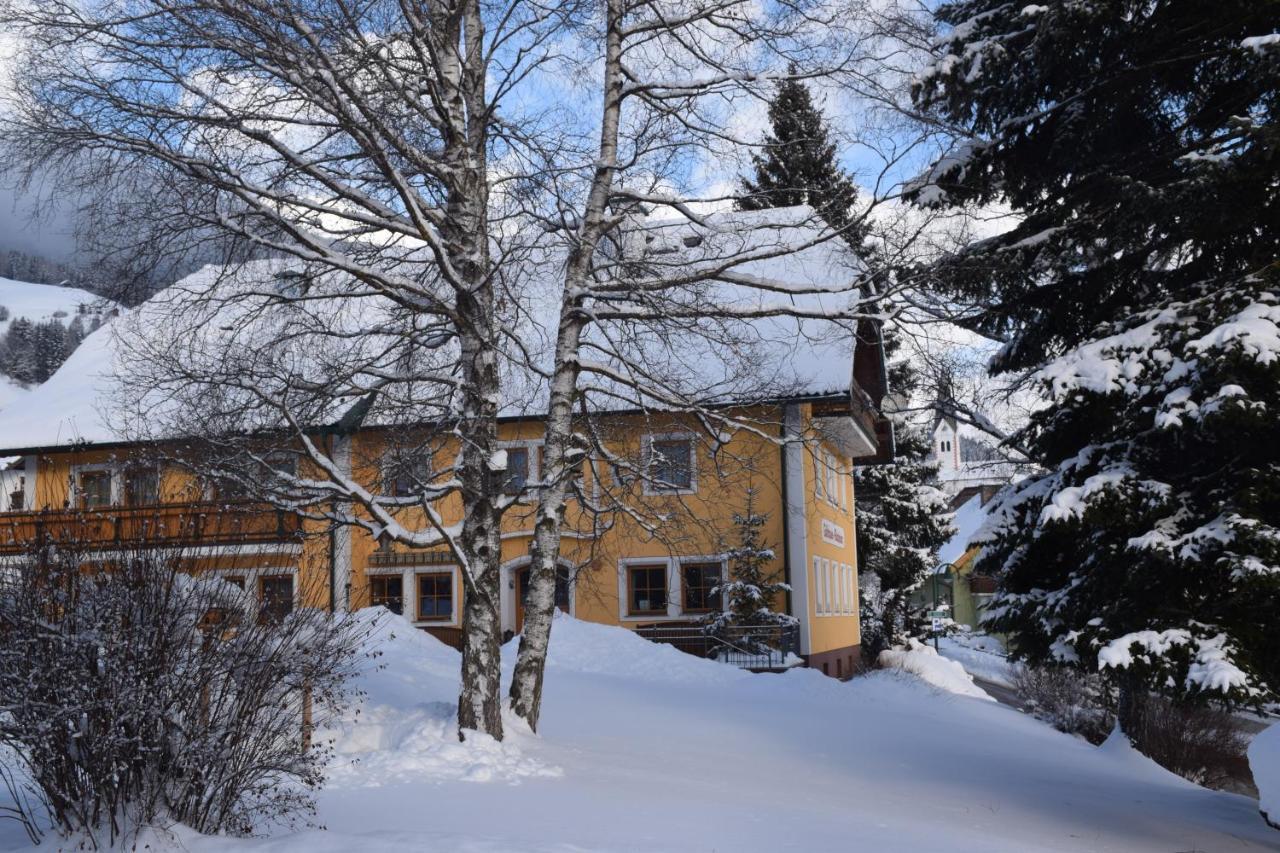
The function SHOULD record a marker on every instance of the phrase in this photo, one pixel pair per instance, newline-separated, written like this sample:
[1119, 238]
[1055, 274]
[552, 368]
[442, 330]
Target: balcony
[759, 648]
[160, 525]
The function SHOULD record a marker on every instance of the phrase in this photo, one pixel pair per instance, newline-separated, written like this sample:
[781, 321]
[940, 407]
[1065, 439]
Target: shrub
[1071, 701]
[1201, 743]
[138, 693]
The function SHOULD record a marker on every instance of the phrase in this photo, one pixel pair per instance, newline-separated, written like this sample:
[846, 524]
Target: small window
[833, 481]
[517, 470]
[818, 491]
[276, 592]
[647, 590]
[699, 581]
[18, 497]
[235, 580]
[435, 597]
[671, 464]
[404, 476]
[141, 486]
[387, 591]
[283, 464]
[93, 489]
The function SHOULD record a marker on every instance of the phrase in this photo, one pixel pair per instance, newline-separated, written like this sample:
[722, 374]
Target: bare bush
[136, 691]
[1201, 743]
[1069, 700]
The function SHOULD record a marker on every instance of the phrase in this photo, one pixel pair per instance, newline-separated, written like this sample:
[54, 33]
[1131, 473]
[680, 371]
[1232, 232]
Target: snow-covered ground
[42, 302]
[926, 664]
[1264, 761]
[982, 656]
[646, 749]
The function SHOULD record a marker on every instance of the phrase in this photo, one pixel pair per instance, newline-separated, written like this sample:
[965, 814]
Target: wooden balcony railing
[169, 525]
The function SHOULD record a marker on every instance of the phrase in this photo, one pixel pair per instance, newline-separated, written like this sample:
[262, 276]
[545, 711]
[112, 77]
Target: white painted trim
[342, 534]
[110, 467]
[646, 443]
[30, 470]
[253, 573]
[535, 470]
[507, 590]
[410, 585]
[797, 555]
[720, 559]
[673, 578]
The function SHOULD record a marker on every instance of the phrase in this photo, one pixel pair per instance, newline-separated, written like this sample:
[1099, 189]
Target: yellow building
[109, 494]
[71, 475]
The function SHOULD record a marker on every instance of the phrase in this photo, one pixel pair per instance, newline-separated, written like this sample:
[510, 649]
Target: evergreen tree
[18, 351]
[748, 592]
[50, 348]
[1137, 144]
[903, 520]
[798, 165]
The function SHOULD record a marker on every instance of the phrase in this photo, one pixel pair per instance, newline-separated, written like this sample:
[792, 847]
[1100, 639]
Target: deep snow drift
[646, 749]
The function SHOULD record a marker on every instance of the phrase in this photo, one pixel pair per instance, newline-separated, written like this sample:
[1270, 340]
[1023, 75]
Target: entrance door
[522, 593]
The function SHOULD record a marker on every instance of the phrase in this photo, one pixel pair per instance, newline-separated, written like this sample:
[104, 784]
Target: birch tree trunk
[467, 241]
[559, 456]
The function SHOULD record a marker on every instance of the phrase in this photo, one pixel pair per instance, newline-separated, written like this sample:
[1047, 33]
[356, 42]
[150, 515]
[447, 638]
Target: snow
[230, 322]
[967, 521]
[644, 748]
[1264, 761]
[1260, 44]
[926, 664]
[42, 302]
[981, 655]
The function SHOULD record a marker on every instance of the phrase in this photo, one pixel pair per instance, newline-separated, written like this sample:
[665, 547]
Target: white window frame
[455, 590]
[383, 459]
[673, 586]
[110, 467]
[719, 559]
[251, 575]
[832, 485]
[820, 597]
[535, 469]
[646, 454]
[818, 475]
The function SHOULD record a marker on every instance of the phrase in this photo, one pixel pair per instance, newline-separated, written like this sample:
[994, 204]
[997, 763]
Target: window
[820, 598]
[404, 475]
[93, 489]
[141, 485]
[817, 475]
[517, 470]
[671, 464]
[699, 580]
[647, 590]
[18, 497]
[235, 580]
[283, 464]
[435, 597]
[387, 591]
[276, 592]
[833, 482]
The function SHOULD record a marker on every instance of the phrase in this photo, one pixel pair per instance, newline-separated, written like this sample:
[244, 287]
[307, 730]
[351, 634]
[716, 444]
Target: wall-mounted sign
[832, 533]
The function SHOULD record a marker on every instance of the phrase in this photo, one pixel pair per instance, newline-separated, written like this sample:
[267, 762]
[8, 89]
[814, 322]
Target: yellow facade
[630, 572]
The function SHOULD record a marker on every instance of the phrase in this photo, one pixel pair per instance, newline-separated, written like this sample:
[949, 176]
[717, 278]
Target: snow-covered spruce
[1155, 550]
[903, 520]
[748, 593]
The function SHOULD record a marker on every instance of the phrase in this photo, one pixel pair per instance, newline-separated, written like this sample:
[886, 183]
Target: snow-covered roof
[233, 320]
[967, 521]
